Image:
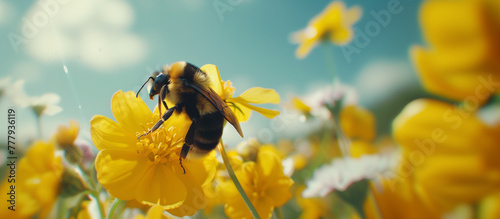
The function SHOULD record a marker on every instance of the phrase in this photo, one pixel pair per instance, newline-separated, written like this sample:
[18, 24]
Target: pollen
[161, 146]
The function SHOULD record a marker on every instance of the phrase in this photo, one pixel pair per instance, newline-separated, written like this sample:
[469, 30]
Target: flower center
[161, 146]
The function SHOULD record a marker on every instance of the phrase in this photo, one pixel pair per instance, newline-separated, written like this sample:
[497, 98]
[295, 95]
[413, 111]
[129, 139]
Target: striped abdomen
[207, 133]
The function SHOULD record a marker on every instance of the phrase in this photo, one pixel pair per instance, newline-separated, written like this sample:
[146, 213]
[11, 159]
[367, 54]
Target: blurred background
[84, 51]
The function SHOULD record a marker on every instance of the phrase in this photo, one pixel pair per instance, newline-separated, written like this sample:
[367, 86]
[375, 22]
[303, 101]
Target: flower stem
[278, 213]
[116, 202]
[61, 208]
[95, 195]
[39, 125]
[342, 140]
[329, 59]
[236, 182]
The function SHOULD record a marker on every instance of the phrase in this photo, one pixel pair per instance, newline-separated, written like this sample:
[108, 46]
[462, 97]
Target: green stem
[278, 213]
[61, 208]
[329, 59]
[95, 195]
[236, 182]
[116, 202]
[342, 140]
[39, 125]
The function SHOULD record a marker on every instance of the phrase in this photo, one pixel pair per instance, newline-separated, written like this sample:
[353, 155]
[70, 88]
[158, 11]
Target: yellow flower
[357, 122]
[37, 181]
[334, 23]
[264, 183]
[358, 148]
[67, 135]
[312, 207]
[301, 106]
[242, 105]
[397, 199]
[462, 61]
[155, 212]
[450, 152]
[148, 169]
[86, 210]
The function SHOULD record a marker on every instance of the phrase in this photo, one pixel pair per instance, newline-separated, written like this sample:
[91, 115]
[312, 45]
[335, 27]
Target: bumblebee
[187, 86]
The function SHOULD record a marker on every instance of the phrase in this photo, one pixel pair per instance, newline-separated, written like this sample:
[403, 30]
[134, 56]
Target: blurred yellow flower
[451, 154]
[66, 135]
[37, 184]
[264, 183]
[301, 106]
[397, 199]
[242, 105]
[462, 61]
[334, 23]
[312, 207]
[357, 123]
[148, 169]
[83, 213]
[358, 148]
[155, 212]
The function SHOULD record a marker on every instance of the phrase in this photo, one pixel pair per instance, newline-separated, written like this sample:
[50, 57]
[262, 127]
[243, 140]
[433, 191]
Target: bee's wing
[220, 105]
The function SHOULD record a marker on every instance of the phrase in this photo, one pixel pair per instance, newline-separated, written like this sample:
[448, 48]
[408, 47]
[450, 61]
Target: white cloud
[382, 79]
[6, 12]
[97, 46]
[92, 31]
[27, 71]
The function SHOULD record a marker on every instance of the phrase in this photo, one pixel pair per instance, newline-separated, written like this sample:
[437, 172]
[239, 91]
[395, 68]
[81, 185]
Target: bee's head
[155, 82]
[160, 79]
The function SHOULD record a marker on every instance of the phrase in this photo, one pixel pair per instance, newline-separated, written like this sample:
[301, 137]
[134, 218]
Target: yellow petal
[260, 95]
[202, 170]
[269, 161]
[276, 183]
[397, 198]
[160, 185]
[41, 158]
[67, 135]
[456, 77]
[448, 24]
[130, 112]
[156, 212]
[357, 122]
[120, 171]
[215, 80]
[457, 179]
[353, 15]
[298, 104]
[243, 113]
[305, 47]
[359, 148]
[107, 134]
[195, 198]
[432, 126]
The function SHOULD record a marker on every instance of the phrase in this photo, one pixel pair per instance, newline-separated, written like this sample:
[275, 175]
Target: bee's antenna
[150, 78]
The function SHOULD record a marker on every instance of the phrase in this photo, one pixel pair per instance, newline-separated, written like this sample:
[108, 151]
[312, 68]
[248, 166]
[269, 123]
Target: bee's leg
[159, 105]
[188, 140]
[163, 93]
[180, 162]
[162, 120]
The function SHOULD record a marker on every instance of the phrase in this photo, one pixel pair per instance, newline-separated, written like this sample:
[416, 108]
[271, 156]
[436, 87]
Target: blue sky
[113, 45]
